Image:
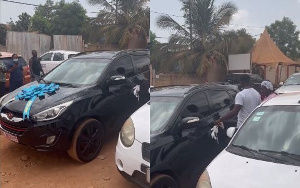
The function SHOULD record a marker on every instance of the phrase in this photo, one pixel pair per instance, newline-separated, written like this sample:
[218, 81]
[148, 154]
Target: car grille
[146, 151]
[17, 128]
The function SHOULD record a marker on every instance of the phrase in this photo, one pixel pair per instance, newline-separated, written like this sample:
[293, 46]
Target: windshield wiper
[41, 78]
[65, 84]
[284, 153]
[252, 151]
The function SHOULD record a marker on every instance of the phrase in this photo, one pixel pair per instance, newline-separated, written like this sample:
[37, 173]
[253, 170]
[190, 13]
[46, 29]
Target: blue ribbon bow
[32, 93]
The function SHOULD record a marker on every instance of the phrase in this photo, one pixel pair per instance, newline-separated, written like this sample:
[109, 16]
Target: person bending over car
[245, 102]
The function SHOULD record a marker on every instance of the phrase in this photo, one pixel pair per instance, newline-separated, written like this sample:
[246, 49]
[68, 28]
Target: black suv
[97, 93]
[180, 142]
[255, 79]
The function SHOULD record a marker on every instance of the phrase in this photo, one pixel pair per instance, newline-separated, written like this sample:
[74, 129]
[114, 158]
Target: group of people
[15, 70]
[247, 100]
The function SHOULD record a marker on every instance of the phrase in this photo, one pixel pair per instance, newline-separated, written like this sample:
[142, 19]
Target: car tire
[87, 141]
[162, 181]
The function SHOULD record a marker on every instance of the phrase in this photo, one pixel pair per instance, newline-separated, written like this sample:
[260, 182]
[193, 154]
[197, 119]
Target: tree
[123, 21]
[23, 24]
[42, 18]
[61, 18]
[235, 42]
[3, 30]
[286, 37]
[196, 43]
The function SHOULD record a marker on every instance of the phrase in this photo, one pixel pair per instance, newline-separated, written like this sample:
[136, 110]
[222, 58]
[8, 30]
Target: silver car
[264, 153]
[291, 85]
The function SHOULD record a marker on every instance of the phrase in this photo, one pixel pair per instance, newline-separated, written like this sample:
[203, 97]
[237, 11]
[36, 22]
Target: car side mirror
[281, 83]
[116, 80]
[230, 131]
[189, 120]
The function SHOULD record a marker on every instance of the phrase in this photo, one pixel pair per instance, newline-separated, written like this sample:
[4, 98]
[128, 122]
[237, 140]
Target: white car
[291, 85]
[133, 148]
[264, 152]
[51, 59]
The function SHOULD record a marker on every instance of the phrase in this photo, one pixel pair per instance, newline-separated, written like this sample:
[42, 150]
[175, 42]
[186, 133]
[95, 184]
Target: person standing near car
[15, 69]
[2, 78]
[245, 102]
[267, 90]
[35, 67]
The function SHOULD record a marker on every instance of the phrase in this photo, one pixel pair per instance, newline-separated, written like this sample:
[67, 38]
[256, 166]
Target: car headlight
[204, 180]
[127, 133]
[51, 113]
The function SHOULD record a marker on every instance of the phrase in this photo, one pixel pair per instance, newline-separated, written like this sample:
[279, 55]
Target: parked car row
[164, 133]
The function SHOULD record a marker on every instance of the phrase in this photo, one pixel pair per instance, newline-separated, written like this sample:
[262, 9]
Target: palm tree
[203, 23]
[124, 22]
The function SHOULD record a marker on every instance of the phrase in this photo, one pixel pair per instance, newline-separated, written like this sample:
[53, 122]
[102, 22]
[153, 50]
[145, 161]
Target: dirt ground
[23, 167]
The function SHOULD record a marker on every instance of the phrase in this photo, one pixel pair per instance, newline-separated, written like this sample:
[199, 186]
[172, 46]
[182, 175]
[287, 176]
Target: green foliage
[286, 37]
[59, 19]
[196, 47]
[122, 20]
[23, 24]
[3, 30]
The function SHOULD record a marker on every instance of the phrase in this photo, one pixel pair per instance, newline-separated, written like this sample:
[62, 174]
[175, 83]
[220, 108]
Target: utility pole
[190, 20]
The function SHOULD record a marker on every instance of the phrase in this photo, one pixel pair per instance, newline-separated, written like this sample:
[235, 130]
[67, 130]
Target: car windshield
[77, 71]
[293, 80]
[271, 128]
[161, 109]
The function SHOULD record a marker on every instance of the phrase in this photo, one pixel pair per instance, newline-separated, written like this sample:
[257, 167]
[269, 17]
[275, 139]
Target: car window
[58, 57]
[141, 63]
[123, 66]
[197, 106]
[232, 94]
[77, 71]
[273, 128]
[161, 110]
[46, 57]
[71, 55]
[219, 99]
[293, 80]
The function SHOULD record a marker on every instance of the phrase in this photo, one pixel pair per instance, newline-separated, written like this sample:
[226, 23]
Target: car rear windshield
[293, 80]
[271, 128]
[161, 109]
[77, 71]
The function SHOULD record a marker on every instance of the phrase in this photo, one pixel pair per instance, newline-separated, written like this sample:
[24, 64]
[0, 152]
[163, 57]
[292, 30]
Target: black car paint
[111, 104]
[183, 153]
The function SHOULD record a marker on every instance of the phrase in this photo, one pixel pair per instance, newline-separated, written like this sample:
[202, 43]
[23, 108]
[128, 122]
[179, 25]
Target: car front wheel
[87, 141]
[162, 181]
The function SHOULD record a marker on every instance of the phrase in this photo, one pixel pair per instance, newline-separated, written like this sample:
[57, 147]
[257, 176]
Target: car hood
[141, 120]
[64, 94]
[288, 89]
[233, 171]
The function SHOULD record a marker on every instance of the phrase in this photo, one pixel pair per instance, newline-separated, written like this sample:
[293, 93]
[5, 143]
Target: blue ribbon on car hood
[32, 93]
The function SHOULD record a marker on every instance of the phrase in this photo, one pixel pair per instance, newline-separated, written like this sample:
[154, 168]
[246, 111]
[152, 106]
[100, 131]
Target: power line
[17, 2]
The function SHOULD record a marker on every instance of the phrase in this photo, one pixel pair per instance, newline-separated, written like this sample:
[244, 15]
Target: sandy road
[23, 167]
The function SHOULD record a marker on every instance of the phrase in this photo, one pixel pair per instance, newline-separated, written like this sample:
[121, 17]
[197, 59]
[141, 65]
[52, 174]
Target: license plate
[10, 137]
[148, 175]
[43, 65]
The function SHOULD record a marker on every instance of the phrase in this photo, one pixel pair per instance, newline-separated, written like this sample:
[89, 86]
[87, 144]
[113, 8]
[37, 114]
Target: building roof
[265, 52]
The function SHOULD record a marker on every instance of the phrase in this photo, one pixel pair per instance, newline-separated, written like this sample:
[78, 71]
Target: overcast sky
[12, 10]
[253, 15]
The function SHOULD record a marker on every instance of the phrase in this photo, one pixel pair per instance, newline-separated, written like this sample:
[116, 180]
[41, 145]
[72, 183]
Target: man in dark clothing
[35, 67]
[15, 69]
